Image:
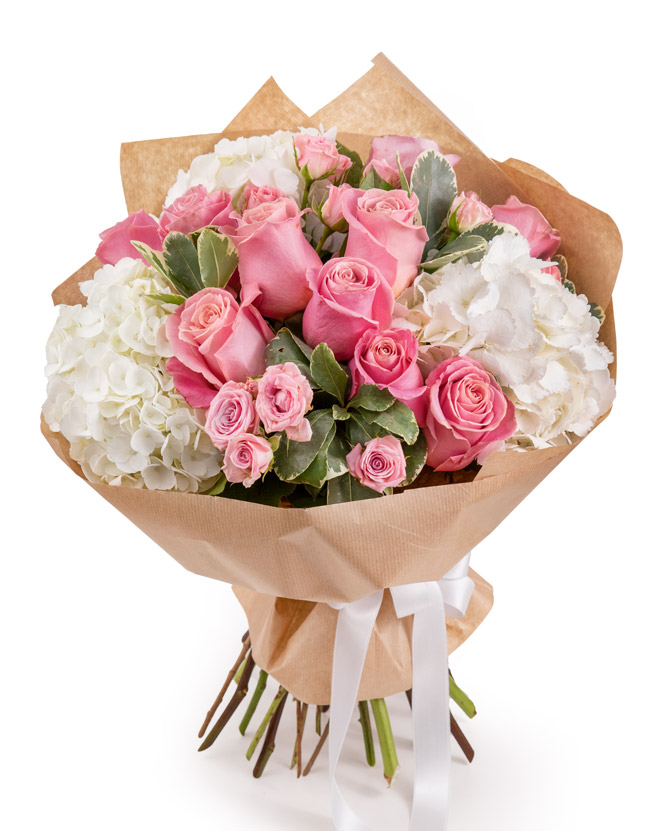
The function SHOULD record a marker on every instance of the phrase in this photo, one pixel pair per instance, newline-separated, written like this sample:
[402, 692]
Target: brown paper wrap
[287, 564]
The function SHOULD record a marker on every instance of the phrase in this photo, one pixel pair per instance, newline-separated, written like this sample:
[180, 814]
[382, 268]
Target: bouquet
[320, 363]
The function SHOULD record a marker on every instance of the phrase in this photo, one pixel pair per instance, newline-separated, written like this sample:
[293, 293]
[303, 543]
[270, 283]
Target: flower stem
[211, 712]
[461, 739]
[386, 740]
[258, 692]
[301, 717]
[269, 744]
[324, 236]
[319, 711]
[281, 694]
[240, 671]
[366, 725]
[317, 750]
[234, 703]
[461, 699]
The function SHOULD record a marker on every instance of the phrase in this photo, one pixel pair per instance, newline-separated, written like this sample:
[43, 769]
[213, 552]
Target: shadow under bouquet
[322, 365]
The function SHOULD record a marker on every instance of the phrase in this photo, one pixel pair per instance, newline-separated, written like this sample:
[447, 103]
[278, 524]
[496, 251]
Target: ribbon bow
[429, 603]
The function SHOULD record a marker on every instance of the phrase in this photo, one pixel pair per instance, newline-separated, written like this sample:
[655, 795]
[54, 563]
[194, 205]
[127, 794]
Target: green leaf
[172, 299]
[402, 177]
[218, 258]
[373, 180]
[337, 453]
[269, 491]
[486, 230]
[327, 373]
[316, 474]
[154, 258]
[462, 246]
[294, 457]
[562, 263]
[568, 284]
[354, 174]
[359, 430]
[597, 311]
[370, 397]
[218, 487]
[434, 182]
[416, 456]
[183, 262]
[286, 347]
[347, 489]
[340, 413]
[398, 420]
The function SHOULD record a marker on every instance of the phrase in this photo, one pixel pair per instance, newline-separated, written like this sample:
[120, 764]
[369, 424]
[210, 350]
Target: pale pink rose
[332, 212]
[467, 211]
[554, 271]
[380, 465]
[469, 416]
[254, 195]
[542, 238]
[196, 209]
[389, 360]
[349, 296]
[382, 230]
[215, 340]
[247, 458]
[117, 241]
[274, 256]
[231, 413]
[383, 156]
[284, 396]
[321, 156]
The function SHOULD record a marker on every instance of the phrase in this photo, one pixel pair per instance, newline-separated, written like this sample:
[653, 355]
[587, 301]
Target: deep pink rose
[380, 465]
[332, 212]
[231, 413]
[469, 416]
[383, 156]
[542, 238]
[117, 241]
[247, 458]
[382, 230]
[389, 359]
[254, 195]
[214, 340]
[467, 211]
[349, 296]
[321, 156]
[274, 255]
[284, 396]
[196, 209]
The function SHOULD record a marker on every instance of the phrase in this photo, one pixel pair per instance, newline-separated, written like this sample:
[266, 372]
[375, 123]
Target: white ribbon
[429, 603]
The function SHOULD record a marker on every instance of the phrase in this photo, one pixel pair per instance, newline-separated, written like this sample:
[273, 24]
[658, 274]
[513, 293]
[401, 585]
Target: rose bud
[383, 156]
[214, 340]
[196, 209]
[349, 296]
[380, 465]
[283, 397]
[247, 458]
[467, 211]
[321, 156]
[231, 413]
[332, 212]
[117, 241]
[469, 416]
[542, 238]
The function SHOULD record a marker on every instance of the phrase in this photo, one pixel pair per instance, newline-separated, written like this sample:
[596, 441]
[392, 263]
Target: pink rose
[382, 230]
[247, 458]
[542, 238]
[467, 211]
[196, 209]
[469, 416]
[321, 156]
[260, 194]
[380, 465]
[554, 271]
[117, 241]
[231, 413]
[383, 156]
[214, 340]
[349, 296]
[388, 359]
[274, 255]
[284, 396]
[332, 212]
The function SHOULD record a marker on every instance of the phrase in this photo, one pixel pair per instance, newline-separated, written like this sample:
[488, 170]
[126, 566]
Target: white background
[111, 653]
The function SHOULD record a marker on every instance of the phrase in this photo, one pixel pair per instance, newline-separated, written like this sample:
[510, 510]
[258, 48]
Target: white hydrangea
[262, 160]
[110, 395]
[539, 339]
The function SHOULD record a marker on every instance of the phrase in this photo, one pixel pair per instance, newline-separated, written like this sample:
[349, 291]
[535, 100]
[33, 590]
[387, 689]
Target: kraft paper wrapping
[286, 564]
